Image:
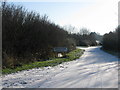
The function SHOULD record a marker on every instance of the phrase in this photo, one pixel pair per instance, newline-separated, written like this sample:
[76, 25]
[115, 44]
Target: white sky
[101, 16]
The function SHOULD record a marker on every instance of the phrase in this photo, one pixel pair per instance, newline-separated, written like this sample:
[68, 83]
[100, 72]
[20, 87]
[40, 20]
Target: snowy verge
[95, 69]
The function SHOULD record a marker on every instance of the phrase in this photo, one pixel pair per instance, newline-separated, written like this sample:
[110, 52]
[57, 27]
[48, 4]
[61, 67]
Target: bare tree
[84, 31]
[69, 28]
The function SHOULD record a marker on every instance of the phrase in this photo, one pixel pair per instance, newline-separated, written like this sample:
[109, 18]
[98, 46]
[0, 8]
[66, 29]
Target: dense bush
[28, 37]
[111, 41]
[87, 39]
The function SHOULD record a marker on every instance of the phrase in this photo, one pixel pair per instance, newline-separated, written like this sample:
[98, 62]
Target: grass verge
[75, 54]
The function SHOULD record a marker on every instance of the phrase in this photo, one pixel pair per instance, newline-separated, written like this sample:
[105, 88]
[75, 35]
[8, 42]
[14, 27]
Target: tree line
[86, 38]
[29, 37]
[111, 40]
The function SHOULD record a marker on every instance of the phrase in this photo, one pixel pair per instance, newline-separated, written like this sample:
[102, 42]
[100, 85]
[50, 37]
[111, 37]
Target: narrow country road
[94, 69]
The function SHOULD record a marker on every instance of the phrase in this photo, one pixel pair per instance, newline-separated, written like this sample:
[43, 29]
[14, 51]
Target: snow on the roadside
[0, 81]
[95, 69]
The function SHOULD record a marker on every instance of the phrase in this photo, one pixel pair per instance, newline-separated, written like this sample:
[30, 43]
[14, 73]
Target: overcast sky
[97, 15]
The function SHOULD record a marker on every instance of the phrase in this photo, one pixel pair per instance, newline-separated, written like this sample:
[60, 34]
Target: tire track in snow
[93, 70]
